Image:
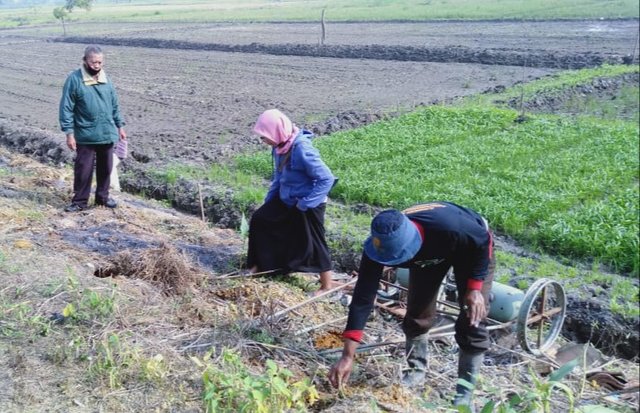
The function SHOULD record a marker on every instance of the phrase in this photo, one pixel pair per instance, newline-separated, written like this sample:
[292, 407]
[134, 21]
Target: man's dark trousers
[86, 157]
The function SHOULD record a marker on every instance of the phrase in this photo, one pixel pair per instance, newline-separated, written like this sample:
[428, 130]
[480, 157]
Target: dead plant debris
[164, 266]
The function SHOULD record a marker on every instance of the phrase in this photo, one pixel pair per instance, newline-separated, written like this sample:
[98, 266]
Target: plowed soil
[184, 100]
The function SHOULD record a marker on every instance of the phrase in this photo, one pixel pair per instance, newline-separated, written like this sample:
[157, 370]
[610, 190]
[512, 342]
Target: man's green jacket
[90, 110]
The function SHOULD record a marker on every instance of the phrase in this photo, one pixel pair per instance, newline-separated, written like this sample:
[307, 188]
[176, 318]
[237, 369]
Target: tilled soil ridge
[555, 102]
[446, 54]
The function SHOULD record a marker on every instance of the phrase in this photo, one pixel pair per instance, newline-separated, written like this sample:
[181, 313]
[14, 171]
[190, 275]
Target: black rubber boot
[416, 351]
[468, 368]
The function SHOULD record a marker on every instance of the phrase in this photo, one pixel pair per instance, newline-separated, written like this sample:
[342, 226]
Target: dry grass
[164, 266]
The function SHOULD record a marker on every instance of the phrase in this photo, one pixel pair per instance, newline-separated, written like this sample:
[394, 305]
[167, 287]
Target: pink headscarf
[277, 127]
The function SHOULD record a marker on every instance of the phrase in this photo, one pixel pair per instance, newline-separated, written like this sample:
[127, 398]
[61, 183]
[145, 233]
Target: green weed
[624, 298]
[623, 105]
[72, 278]
[112, 361]
[99, 304]
[8, 265]
[229, 386]
[74, 349]
[154, 369]
[173, 172]
[536, 399]
[247, 189]
[12, 317]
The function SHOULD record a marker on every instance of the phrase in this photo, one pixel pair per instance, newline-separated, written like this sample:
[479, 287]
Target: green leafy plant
[89, 305]
[100, 305]
[229, 386]
[537, 399]
[567, 185]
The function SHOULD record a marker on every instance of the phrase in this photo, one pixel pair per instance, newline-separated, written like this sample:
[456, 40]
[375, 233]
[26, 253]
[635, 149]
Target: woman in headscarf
[287, 232]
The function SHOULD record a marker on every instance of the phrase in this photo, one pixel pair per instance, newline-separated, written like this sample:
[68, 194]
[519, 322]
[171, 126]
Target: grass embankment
[336, 10]
[556, 84]
[566, 185]
[567, 89]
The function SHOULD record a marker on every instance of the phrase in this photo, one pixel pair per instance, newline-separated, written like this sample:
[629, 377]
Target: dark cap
[394, 238]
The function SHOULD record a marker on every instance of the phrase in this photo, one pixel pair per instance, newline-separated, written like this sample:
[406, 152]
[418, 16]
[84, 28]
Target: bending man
[428, 239]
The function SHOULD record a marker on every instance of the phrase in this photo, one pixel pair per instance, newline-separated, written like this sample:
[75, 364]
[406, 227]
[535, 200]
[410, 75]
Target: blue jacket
[304, 181]
[90, 112]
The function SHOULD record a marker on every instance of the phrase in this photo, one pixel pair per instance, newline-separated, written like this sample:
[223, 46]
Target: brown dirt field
[199, 105]
[182, 104]
[611, 37]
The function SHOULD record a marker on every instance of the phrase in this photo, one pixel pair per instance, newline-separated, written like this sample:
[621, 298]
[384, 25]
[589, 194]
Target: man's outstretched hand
[341, 370]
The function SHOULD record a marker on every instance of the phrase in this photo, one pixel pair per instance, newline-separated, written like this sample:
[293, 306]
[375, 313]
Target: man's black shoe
[110, 203]
[75, 208]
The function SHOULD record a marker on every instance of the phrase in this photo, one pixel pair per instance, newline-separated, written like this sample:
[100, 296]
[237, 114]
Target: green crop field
[336, 10]
[566, 185]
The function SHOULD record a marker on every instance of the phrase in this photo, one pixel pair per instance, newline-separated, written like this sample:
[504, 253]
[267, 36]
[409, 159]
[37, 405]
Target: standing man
[428, 239]
[90, 117]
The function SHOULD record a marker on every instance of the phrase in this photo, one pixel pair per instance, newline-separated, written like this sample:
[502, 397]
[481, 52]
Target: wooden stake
[201, 203]
[324, 29]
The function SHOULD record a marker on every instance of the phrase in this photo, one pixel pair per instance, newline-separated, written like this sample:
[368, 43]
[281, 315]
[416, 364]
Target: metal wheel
[541, 316]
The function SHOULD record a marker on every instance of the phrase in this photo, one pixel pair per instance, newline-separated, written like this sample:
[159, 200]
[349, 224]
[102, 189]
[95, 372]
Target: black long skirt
[287, 239]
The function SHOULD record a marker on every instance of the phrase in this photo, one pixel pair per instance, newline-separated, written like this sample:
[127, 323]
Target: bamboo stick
[312, 299]
[253, 274]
